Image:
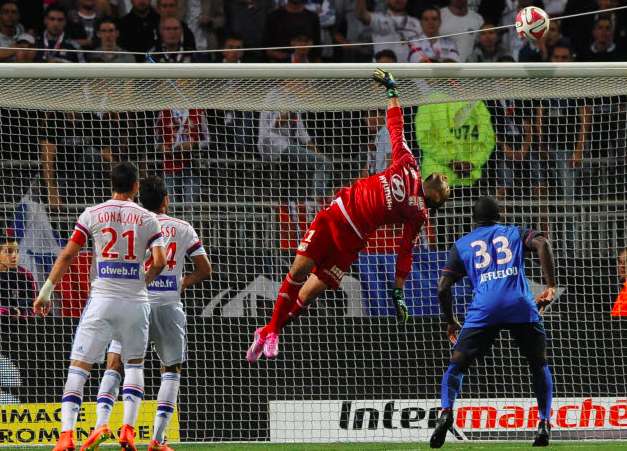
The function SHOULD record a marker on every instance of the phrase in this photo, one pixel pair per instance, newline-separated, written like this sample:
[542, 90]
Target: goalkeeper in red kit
[338, 233]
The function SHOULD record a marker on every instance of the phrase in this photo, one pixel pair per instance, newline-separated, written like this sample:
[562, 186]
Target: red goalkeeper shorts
[332, 244]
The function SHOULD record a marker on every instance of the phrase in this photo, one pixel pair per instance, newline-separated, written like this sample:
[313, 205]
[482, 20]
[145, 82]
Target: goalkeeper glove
[386, 80]
[402, 314]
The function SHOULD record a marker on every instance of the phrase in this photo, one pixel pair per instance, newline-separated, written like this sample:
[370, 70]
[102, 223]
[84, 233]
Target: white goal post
[250, 153]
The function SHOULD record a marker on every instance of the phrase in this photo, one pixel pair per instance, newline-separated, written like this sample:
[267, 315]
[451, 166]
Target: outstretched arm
[394, 119]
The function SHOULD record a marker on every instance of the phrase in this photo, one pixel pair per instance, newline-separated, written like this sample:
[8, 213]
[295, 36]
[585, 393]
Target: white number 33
[503, 252]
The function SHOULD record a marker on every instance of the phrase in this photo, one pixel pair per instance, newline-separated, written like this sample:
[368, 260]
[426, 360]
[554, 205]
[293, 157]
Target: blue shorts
[475, 342]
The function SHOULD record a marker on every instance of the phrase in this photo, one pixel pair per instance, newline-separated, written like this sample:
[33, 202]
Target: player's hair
[152, 191]
[123, 177]
[486, 210]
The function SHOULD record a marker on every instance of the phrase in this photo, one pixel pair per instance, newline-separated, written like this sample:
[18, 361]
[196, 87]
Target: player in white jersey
[118, 307]
[167, 319]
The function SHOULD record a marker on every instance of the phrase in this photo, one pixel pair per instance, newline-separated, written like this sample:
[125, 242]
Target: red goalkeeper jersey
[393, 196]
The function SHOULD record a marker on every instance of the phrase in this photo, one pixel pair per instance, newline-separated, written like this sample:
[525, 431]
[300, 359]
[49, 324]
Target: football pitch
[504, 446]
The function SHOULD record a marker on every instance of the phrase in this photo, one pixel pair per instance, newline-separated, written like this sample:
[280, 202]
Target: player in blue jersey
[492, 256]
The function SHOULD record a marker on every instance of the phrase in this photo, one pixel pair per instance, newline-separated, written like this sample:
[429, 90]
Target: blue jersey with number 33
[493, 259]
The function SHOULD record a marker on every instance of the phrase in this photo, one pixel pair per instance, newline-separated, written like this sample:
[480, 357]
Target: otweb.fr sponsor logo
[163, 283]
[118, 270]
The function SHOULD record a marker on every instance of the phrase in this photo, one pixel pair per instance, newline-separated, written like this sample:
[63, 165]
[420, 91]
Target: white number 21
[504, 253]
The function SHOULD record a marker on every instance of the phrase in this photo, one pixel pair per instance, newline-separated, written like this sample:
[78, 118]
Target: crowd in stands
[152, 26]
[547, 144]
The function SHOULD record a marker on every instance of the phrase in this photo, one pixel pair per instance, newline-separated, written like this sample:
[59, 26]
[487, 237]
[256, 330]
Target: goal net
[250, 154]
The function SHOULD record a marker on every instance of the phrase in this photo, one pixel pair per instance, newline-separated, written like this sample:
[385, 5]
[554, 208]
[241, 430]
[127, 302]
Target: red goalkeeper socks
[297, 308]
[288, 295]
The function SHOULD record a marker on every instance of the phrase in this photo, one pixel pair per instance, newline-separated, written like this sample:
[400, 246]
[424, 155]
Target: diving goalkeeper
[337, 233]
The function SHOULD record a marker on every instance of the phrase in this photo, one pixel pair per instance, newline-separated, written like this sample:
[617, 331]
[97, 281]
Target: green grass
[501, 446]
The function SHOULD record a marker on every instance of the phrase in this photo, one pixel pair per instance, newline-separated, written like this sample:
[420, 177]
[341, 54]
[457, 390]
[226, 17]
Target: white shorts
[106, 320]
[167, 333]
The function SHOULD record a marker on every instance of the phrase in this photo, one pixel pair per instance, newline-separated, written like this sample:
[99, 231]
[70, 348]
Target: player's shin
[451, 385]
[298, 308]
[132, 391]
[72, 397]
[288, 294]
[543, 389]
[166, 403]
[107, 395]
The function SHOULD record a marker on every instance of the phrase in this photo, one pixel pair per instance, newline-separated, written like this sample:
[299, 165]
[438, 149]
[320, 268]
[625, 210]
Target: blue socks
[451, 385]
[543, 388]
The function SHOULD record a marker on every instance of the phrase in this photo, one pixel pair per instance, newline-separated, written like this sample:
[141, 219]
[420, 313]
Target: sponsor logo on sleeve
[398, 188]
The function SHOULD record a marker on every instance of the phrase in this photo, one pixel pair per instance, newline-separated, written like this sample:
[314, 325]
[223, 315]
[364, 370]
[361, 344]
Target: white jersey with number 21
[121, 231]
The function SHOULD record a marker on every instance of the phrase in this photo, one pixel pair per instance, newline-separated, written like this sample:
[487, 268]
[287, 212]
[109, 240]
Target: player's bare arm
[542, 247]
[42, 304]
[445, 298]
[158, 263]
[202, 270]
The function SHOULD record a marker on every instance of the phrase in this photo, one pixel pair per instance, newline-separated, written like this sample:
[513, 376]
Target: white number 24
[504, 253]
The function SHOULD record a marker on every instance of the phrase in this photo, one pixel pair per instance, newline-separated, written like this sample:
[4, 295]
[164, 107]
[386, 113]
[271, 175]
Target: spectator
[325, 9]
[301, 53]
[25, 42]
[385, 56]
[488, 48]
[206, 21]
[17, 284]
[429, 48]
[513, 123]
[232, 46]
[349, 29]
[456, 139]
[74, 155]
[284, 139]
[169, 9]
[620, 306]
[139, 28]
[288, 22]
[10, 29]
[108, 35]
[58, 47]
[393, 25]
[171, 41]
[563, 132]
[82, 23]
[457, 17]
[603, 47]
[247, 18]
[181, 137]
[510, 39]
[580, 29]
[541, 50]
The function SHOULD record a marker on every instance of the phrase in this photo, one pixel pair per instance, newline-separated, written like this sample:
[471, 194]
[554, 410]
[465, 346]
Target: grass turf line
[453, 446]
